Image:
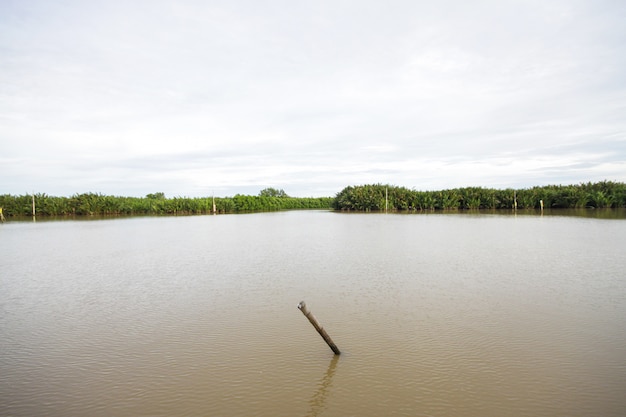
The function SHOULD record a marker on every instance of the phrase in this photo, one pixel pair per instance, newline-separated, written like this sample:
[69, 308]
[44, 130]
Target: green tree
[272, 192]
[156, 196]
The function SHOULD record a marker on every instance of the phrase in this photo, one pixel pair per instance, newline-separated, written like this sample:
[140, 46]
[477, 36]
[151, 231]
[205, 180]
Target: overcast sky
[194, 98]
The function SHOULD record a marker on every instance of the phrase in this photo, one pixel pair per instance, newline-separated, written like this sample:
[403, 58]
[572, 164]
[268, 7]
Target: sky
[200, 98]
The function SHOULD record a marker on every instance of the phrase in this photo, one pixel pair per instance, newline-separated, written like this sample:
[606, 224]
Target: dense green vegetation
[152, 204]
[603, 194]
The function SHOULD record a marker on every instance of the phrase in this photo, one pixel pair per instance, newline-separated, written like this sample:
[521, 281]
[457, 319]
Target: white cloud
[132, 98]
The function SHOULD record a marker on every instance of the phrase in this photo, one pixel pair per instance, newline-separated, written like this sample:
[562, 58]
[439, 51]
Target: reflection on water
[600, 213]
[470, 314]
[318, 401]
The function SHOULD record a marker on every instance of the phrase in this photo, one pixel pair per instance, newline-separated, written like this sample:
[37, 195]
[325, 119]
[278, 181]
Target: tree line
[372, 197]
[152, 204]
[604, 194]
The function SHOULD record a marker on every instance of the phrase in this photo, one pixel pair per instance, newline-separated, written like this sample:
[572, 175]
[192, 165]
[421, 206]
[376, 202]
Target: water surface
[438, 314]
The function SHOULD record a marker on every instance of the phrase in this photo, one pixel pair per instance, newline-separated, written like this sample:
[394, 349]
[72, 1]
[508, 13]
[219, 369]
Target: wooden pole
[33, 204]
[386, 199]
[307, 313]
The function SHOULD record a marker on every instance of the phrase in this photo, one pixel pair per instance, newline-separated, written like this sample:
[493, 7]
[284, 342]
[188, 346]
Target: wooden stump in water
[307, 313]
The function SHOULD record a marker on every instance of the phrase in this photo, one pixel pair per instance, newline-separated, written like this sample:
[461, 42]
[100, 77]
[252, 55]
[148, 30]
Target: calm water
[436, 315]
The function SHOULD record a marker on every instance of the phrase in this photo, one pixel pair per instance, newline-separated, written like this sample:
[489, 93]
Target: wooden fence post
[307, 313]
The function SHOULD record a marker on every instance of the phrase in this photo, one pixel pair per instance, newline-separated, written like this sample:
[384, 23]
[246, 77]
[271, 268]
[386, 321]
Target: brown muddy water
[435, 315]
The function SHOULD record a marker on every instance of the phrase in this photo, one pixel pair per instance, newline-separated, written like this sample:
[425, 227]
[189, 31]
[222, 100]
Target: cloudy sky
[194, 98]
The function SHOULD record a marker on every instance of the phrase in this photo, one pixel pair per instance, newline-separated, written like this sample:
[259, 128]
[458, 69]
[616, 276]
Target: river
[442, 314]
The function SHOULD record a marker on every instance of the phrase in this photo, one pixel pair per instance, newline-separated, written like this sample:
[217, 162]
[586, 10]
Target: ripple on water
[430, 319]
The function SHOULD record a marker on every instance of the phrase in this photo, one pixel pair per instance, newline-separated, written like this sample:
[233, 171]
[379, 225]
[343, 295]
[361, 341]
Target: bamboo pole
[307, 313]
